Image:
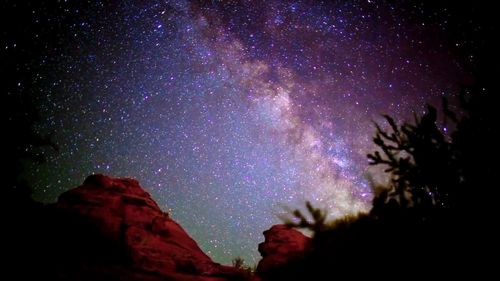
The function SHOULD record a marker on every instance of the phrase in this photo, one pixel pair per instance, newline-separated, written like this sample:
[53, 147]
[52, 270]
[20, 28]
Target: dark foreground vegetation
[434, 217]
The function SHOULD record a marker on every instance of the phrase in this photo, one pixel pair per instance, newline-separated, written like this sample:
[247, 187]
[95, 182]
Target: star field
[230, 111]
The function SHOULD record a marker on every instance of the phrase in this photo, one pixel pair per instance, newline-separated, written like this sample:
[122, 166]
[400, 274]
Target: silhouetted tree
[431, 171]
[316, 225]
[420, 160]
[245, 271]
[19, 88]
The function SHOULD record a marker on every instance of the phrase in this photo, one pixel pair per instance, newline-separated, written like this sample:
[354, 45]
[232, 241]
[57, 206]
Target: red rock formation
[281, 244]
[120, 210]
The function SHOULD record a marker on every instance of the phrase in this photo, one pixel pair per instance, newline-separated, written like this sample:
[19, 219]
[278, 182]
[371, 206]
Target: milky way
[228, 113]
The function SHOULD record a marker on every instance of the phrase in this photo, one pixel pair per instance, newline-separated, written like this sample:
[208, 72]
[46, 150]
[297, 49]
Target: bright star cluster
[229, 111]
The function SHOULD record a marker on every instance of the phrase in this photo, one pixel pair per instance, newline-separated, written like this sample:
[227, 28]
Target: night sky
[228, 112]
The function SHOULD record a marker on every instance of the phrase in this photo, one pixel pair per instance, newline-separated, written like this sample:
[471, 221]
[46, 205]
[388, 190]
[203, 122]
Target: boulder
[281, 244]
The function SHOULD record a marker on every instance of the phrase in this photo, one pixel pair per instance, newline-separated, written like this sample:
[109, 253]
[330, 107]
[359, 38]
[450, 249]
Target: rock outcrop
[281, 244]
[111, 229]
[141, 234]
